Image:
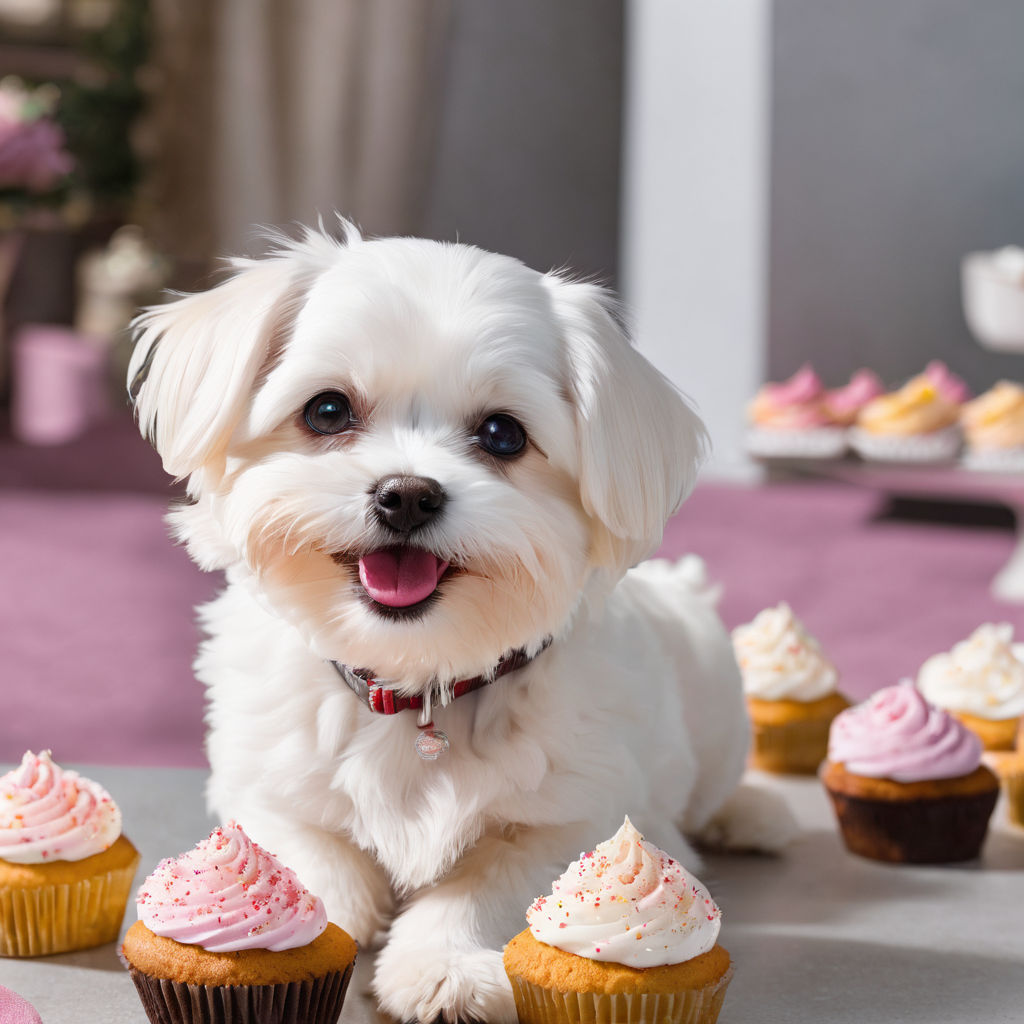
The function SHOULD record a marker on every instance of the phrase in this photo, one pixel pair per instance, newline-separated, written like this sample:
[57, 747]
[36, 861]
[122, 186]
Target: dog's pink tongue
[399, 577]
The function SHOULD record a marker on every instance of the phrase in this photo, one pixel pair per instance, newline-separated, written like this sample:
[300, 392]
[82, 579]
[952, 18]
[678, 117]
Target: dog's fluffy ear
[640, 443]
[198, 357]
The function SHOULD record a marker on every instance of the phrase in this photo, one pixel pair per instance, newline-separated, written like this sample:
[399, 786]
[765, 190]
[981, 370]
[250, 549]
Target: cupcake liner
[994, 460]
[812, 443]
[45, 919]
[314, 1001]
[790, 748]
[538, 1005]
[938, 446]
[1013, 784]
[940, 830]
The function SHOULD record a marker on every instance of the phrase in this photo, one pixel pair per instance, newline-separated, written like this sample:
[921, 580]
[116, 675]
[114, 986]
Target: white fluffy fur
[636, 707]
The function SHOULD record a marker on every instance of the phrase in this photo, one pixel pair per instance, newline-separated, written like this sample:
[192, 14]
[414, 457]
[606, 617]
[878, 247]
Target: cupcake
[790, 420]
[917, 423]
[15, 1010]
[228, 933]
[844, 404]
[627, 935]
[981, 682]
[993, 425]
[1010, 769]
[65, 868]
[906, 780]
[790, 687]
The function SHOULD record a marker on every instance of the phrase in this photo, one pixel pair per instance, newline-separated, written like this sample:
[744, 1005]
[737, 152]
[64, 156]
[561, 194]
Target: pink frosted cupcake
[906, 780]
[66, 870]
[843, 404]
[790, 420]
[919, 423]
[228, 933]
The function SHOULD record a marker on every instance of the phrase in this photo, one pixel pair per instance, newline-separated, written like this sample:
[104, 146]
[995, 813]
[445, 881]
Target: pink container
[58, 384]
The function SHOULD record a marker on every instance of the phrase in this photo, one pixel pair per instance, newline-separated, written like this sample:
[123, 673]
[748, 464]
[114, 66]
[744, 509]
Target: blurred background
[768, 184]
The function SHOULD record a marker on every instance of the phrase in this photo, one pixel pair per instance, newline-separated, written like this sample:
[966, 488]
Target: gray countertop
[817, 935]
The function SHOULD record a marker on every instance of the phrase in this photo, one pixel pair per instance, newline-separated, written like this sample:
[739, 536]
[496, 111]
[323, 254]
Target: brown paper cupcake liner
[45, 919]
[538, 1005]
[940, 830]
[315, 1001]
[792, 748]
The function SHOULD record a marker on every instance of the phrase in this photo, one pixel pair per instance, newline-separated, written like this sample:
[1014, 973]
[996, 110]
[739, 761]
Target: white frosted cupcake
[981, 682]
[790, 687]
[66, 870]
[627, 935]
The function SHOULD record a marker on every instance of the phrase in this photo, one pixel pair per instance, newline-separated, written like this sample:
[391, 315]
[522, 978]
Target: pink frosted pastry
[227, 932]
[906, 780]
[843, 404]
[790, 419]
[15, 1010]
[260, 903]
[66, 870]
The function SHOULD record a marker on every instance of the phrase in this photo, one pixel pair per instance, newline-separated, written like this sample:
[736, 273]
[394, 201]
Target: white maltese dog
[426, 470]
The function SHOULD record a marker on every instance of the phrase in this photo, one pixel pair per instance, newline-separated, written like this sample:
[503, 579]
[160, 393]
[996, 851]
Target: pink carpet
[97, 603]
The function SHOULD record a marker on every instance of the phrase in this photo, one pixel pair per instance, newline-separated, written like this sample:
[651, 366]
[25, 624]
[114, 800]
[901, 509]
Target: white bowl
[993, 304]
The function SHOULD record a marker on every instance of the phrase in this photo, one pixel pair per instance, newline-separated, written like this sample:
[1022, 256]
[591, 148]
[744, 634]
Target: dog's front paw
[752, 819]
[430, 984]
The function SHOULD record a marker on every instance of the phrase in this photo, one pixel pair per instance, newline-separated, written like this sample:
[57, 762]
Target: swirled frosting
[952, 388]
[981, 675]
[228, 894]
[843, 404]
[629, 903]
[917, 408]
[780, 660]
[995, 419]
[47, 813]
[795, 404]
[896, 734]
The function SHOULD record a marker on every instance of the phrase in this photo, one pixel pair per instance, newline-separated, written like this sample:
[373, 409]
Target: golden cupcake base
[790, 737]
[61, 906]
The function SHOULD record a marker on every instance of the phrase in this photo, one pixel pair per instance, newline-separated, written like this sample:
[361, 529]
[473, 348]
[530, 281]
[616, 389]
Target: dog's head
[419, 453]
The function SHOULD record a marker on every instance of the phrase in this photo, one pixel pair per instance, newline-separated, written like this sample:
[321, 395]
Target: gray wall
[897, 146]
[529, 137]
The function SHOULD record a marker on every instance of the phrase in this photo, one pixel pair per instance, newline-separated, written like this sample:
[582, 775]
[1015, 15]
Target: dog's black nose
[405, 502]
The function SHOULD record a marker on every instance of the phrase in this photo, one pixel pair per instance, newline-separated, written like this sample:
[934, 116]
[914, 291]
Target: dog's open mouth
[400, 577]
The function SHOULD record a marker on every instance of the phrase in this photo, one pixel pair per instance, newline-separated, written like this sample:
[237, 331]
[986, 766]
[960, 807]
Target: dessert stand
[816, 935]
[949, 482]
[994, 311]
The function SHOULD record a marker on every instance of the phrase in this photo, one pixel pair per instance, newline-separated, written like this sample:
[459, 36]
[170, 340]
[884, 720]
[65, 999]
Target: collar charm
[382, 699]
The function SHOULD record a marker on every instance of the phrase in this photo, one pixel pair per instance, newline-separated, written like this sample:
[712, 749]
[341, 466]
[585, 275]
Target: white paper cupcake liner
[936, 447]
[813, 443]
[537, 1005]
[994, 460]
[45, 919]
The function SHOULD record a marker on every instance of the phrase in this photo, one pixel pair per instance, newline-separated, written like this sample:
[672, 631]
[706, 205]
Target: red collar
[378, 696]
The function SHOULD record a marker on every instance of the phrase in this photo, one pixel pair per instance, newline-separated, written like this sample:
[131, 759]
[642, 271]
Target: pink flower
[32, 153]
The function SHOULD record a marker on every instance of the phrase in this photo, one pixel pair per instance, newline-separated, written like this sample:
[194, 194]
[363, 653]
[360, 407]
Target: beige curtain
[277, 111]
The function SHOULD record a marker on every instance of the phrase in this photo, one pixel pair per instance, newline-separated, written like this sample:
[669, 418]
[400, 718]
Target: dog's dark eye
[328, 413]
[501, 435]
